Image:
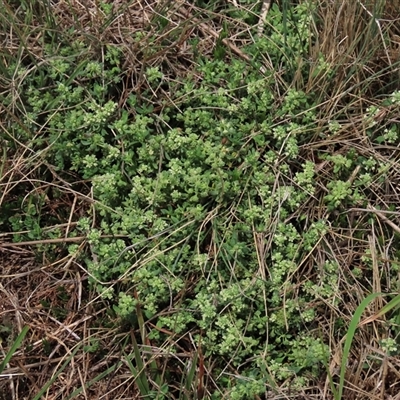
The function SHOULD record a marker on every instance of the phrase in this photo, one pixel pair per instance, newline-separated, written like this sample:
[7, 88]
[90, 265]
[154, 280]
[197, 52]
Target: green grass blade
[349, 339]
[51, 381]
[190, 377]
[284, 21]
[389, 306]
[139, 372]
[14, 347]
[94, 380]
[142, 384]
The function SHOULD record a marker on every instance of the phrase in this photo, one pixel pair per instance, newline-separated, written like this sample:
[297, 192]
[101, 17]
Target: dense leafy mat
[221, 202]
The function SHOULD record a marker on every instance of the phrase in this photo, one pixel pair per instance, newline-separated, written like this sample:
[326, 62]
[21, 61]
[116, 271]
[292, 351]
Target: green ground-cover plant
[212, 216]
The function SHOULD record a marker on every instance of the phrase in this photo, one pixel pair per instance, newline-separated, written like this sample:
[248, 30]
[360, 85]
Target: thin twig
[77, 239]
